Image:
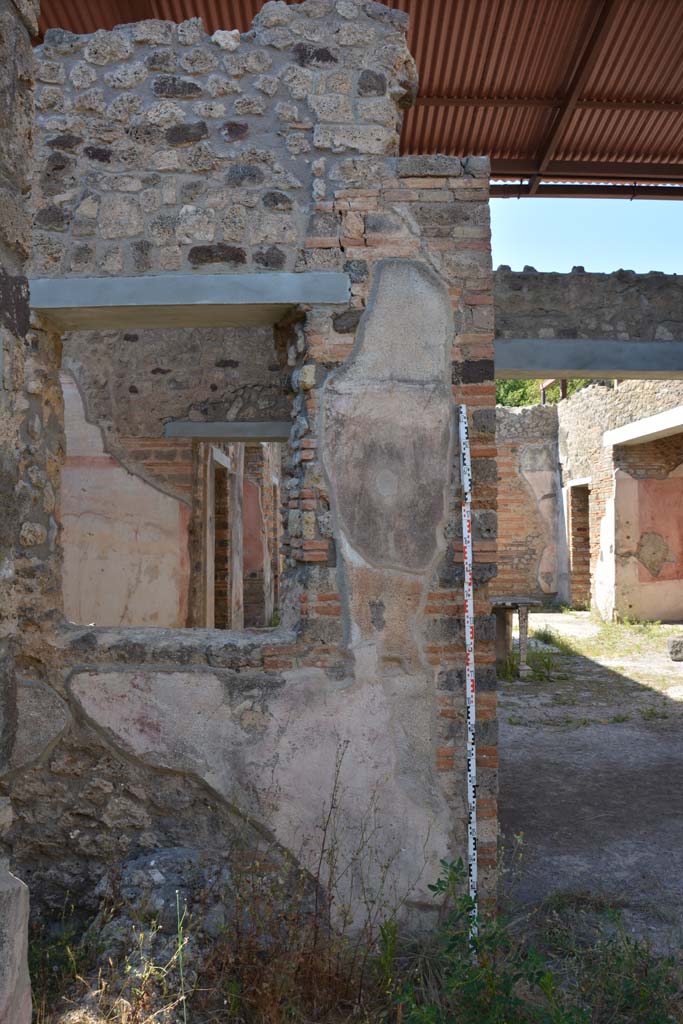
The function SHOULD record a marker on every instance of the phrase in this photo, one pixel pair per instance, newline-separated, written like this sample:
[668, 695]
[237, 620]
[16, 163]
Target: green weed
[500, 977]
[650, 714]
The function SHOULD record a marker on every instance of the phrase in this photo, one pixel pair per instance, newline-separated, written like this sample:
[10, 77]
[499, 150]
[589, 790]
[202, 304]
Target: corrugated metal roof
[557, 92]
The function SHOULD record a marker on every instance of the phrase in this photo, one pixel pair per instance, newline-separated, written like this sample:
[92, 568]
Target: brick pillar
[431, 212]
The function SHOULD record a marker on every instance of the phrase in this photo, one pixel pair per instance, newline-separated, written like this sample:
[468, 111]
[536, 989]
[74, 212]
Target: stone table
[503, 608]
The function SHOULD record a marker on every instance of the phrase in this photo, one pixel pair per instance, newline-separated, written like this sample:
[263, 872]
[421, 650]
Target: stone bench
[503, 608]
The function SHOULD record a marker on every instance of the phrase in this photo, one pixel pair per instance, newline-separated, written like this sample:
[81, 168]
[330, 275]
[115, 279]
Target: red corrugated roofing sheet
[472, 53]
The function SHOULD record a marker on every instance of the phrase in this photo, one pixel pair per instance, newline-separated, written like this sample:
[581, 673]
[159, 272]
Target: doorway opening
[238, 511]
[579, 545]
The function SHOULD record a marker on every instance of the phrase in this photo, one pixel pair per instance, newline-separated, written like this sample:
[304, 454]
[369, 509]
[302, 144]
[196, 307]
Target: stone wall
[583, 419]
[364, 679]
[24, 482]
[161, 149]
[544, 453]
[623, 305]
[530, 516]
[132, 383]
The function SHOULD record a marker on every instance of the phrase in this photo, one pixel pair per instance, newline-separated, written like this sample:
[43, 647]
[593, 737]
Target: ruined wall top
[623, 305]
[160, 148]
[526, 423]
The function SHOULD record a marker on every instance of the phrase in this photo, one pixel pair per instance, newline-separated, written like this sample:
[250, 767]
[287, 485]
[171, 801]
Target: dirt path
[591, 771]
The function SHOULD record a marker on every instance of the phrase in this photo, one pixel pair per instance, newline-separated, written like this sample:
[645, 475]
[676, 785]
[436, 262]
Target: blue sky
[599, 234]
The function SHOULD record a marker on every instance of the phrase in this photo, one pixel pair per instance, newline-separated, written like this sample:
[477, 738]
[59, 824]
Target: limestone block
[190, 31]
[195, 225]
[227, 40]
[50, 71]
[15, 987]
[153, 32]
[307, 377]
[273, 13]
[300, 82]
[331, 108]
[274, 228]
[372, 139]
[234, 222]
[165, 113]
[127, 76]
[250, 105]
[120, 217]
[32, 535]
[198, 61]
[106, 47]
[219, 85]
[125, 108]
[268, 84]
[82, 75]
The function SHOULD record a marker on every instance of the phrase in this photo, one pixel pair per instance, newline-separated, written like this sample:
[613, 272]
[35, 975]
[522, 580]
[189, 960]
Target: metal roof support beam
[589, 191]
[605, 16]
[567, 169]
[598, 359]
[520, 102]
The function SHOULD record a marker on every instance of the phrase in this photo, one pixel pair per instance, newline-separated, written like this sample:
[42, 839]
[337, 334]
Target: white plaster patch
[282, 773]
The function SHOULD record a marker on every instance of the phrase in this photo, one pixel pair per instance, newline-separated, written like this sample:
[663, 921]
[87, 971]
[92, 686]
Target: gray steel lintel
[540, 358]
[182, 300]
[222, 430]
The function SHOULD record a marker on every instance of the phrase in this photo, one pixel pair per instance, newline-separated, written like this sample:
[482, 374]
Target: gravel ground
[591, 771]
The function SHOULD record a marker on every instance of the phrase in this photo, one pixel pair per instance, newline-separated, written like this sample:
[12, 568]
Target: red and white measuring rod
[470, 689]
